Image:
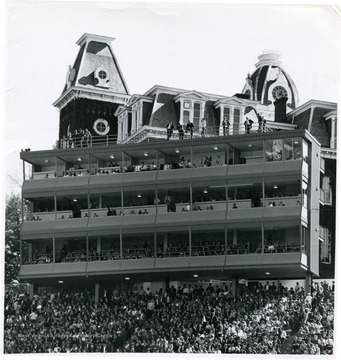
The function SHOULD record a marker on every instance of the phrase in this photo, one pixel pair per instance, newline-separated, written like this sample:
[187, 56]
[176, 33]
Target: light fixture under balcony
[74, 199]
[177, 151]
[146, 154]
[127, 278]
[139, 195]
[267, 273]
[79, 159]
[47, 160]
[275, 186]
[195, 275]
[215, 147]
[60, 281]
[112, 156]
[205, 191]
[250, 145]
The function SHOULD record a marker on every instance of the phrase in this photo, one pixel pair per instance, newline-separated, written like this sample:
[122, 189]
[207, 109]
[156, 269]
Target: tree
[13, 221]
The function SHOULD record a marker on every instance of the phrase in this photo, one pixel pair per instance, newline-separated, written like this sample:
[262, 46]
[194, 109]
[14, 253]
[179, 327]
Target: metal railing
[153, 133]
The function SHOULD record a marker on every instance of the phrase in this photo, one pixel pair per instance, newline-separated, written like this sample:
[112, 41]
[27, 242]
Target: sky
[202, 47]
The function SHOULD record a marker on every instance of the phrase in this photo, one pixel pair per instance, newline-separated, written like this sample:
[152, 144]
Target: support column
[181, 120]
[191, 113]
[231, 120]
[33, 289]
[165, 244]
[234, 285]
[308, 282]
[97, 292]
[332, 137]
[235, 239]
[202, 104]
[99, 245]
[221, 120]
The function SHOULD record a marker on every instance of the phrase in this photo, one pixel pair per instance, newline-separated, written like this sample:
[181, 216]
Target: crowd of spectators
[260, 319]
[78, 138]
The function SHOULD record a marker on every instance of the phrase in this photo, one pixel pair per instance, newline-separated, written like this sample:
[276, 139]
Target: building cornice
[76, 92]
[93, 37]
[331, 115]
[328, 153]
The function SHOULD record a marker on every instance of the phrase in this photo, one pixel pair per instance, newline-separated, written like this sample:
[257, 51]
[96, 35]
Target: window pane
[236, 121]
[273, 150]
[138, 246]
[173, 243]
[279, 239]
[196, 115]
[206, 243]
[186, 116]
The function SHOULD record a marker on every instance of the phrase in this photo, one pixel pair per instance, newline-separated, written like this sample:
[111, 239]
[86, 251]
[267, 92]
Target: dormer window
[331, 117]
[102, 77]
[102, 74]
[192, 108]
[192, 111]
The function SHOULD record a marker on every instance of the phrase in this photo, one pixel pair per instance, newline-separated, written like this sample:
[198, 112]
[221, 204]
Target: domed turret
[270, 82]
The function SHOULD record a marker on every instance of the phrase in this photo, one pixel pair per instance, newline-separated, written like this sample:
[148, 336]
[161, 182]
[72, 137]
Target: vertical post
[308, 282]
[97, 286]
[165, 243]
[191, 113]
[23, 169]
[332, 137]
[221, 120]
[235, 238]
[121, 246]
[263, 240]
[234, 285]
[181, 120]
[231, 127]
[99, 245]
[53, 248]
[87, 246]
[189, 240]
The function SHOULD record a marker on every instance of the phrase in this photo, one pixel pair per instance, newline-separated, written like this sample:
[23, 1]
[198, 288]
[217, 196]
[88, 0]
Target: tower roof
[268, 78]
[95, 69]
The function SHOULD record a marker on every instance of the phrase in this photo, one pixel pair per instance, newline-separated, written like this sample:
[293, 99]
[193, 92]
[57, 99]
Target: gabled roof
[137, 97]
[234, 100]
[312, 103]
[190, 95]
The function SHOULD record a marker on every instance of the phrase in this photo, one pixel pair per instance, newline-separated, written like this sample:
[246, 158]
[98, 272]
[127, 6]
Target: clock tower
[93, 90]
[268, 84]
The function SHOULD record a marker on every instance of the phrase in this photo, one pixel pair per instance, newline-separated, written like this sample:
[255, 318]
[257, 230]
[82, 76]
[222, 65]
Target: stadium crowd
[190, 319]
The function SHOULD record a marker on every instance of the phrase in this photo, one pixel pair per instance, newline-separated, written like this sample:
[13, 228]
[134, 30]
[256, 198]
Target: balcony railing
[290, 201]
[181, 250]
[153, 133]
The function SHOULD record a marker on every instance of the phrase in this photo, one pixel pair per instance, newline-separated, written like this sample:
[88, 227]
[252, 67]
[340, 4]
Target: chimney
[281, 109]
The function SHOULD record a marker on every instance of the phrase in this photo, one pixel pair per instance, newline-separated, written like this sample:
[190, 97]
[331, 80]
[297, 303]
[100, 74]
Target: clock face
[279, 92]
